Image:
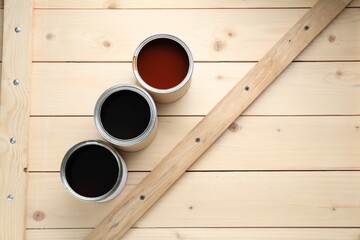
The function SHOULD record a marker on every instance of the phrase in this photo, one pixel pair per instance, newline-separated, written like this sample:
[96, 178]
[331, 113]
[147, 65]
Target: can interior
[92, 171]
[125, 114]
[163, 63]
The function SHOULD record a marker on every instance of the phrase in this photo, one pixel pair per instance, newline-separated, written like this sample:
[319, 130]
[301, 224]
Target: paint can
[125, 115]
[93, 171]
[163, 65]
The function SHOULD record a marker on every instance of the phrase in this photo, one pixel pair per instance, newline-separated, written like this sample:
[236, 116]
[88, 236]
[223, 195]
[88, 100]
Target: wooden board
[209, 234]
[214, 199]
[111, 4]
[286, 143]
[14, 117]
[320, 88]
[215, 34]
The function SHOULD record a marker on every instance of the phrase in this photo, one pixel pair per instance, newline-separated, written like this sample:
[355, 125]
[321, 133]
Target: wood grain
[208, 234]
[321, 88]
[214, 199]
[214, 35]
[191, 147]
[14, 116]
[286, 143]
[112, 4]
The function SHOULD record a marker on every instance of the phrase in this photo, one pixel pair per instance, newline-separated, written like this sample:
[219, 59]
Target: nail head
[10, 198]
[142, 197]
[17, 29]
[12, 140]
[16, 82]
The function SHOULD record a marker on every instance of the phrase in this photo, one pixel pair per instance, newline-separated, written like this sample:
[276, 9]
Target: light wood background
[287, 170]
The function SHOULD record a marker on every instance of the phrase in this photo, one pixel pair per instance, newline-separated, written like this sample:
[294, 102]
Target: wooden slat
[286, 143]
[212, 35]
[14, 116]
[111, 4]
[303, 89]
[208, 234]
[214, 199]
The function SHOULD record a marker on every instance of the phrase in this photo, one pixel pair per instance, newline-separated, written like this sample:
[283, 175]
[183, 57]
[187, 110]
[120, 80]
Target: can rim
[158, 90]
[77, 146]
[125, 142]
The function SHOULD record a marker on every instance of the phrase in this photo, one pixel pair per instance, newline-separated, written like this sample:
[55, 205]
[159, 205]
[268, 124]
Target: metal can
[93, 171]
[163, 65]
[126, 116]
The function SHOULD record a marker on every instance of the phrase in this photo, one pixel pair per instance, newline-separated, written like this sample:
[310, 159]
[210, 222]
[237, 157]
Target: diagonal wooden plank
[165, 174]
[14, 116]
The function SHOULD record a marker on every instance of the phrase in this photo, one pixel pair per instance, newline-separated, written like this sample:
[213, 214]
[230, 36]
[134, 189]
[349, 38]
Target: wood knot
[234, 127]
[191, 207]
[106, 44]
[218, 45]
[39, 216]
[112, 5]
[357, 126]
[49, 36]
[339, 73]
[278, 130]
[332, 38]
[219, 77]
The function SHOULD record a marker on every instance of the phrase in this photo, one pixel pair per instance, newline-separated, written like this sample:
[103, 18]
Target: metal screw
[16, 82]
[17, 29]
[12, 140]
[306, 28]
[197, 140]
[10, 198]
[142, 197]
[247, 88]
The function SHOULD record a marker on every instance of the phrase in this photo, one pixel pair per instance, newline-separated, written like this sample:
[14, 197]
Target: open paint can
[125, 115]
[163, 65]
[93, 171]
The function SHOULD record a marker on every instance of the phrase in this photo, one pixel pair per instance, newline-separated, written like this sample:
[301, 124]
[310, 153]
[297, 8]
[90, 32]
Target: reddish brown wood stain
[163, 63]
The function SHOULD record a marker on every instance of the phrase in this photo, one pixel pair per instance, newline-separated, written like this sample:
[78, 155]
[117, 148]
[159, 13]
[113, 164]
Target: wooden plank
[208, 234]
[214, 199]
[111, 4]
[191, 147]
[309, 88]
[14, 116]
[214, 35]
[286, 143]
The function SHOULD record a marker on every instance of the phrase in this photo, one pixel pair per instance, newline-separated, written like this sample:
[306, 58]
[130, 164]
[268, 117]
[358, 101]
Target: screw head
[16, 82]
[10, 198]
[17, 29]
[142, 197]
[12, 140]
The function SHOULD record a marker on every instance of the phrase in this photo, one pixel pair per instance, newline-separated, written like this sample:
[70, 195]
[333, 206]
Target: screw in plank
[306, 27]
[197, 140]
[10, 198]
[247, 88]
[16, 82]
[17, 29]
[12, 140]
[142, 197]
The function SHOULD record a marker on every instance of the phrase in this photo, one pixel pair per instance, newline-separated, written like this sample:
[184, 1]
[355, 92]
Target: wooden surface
[161, 178]
[14, 117]
[306, 124]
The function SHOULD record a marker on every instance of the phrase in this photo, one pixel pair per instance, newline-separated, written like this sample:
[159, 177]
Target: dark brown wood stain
[125, 114]
[92, 171]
